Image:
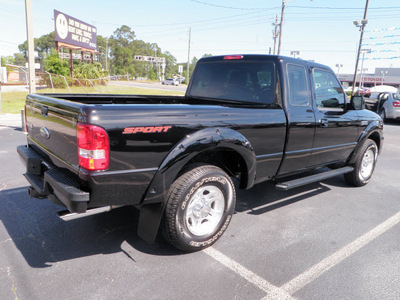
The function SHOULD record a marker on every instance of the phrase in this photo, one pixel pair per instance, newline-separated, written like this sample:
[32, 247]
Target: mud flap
[149, 221]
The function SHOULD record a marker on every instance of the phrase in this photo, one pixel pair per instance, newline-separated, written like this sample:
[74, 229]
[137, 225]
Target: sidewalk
[10, 120]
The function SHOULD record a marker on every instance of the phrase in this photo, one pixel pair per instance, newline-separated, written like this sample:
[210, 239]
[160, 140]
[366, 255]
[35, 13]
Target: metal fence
[17, 80]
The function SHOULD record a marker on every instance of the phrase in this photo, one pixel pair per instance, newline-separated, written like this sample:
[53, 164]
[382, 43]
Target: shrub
[54, 64]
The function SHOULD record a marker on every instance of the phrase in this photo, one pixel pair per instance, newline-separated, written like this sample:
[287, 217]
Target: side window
[328, 92]
[298, 87]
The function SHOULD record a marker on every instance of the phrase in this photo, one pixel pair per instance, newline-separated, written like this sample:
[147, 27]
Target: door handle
[323, 122]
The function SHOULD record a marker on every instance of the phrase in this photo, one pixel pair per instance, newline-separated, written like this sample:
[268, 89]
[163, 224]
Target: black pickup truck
[244, 119]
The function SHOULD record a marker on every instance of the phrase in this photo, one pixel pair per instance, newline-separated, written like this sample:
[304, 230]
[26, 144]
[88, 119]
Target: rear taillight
[93, 147]
[396, 103]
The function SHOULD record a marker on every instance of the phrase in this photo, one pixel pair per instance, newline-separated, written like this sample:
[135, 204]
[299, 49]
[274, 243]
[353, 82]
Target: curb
[11, 120]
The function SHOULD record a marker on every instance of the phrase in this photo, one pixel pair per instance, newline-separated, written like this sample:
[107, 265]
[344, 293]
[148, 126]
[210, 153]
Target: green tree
[42, 45]
[102, 47]
[121, 49]
[19, 59]
[7, 60]
[54, 64]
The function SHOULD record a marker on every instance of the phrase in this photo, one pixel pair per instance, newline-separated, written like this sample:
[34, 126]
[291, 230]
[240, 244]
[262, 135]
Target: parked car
[245, 119]
[386, 104]
[170, 81]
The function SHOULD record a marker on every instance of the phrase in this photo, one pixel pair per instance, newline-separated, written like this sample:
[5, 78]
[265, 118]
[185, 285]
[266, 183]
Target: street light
[360, 23]
[363, 70]
[338, 66]
[294, 53]
[383, 75]
[362, 64]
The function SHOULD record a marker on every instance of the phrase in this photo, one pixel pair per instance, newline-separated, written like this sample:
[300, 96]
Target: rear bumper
[48, 181]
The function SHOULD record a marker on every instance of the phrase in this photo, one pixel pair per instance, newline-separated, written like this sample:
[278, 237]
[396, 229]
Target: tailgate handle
[44, 111]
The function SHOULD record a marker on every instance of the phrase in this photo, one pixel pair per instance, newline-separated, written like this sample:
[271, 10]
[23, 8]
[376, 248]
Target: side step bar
[66, 215]
[284, 186]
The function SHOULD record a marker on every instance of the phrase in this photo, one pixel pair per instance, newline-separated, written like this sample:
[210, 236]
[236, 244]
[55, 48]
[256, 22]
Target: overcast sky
[322, 30]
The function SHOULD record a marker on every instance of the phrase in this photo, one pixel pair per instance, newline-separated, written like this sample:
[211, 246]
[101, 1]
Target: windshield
[235, 80]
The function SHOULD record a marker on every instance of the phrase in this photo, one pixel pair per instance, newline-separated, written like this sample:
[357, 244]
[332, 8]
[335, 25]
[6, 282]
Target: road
[323, 241]
[150, 85]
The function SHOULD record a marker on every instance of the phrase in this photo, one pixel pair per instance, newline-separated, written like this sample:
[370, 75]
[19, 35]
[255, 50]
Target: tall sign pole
[31, 51]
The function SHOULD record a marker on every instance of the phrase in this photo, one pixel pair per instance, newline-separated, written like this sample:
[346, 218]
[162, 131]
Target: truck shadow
[43, 239]
[264, 197]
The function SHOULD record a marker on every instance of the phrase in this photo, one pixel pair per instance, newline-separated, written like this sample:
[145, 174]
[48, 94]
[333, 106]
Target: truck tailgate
[51, 125]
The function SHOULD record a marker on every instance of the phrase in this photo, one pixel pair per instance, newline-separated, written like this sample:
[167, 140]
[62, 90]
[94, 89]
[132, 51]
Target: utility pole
[107, 55]
[188, 62]
[360, 24]
[280, 27]
[275, 32]
[31, 51]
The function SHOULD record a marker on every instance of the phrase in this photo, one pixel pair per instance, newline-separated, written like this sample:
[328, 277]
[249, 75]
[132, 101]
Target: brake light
[396, 103]
[233, 57]
[93, 147]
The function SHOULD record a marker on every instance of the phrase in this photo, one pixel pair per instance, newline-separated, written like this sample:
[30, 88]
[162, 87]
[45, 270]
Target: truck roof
[261, 57]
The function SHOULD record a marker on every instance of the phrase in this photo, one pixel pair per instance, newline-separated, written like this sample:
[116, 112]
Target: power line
[343, 8]
[231, 7]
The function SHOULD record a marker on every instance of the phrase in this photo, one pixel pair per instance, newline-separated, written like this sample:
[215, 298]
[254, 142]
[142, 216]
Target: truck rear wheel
[364, 164]
[200, 206]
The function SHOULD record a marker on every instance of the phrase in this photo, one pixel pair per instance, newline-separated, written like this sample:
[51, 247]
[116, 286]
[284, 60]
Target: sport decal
[148, 129]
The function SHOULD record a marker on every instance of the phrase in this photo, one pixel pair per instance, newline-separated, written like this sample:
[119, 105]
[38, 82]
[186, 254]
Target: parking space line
[320, 268]
[273, 291]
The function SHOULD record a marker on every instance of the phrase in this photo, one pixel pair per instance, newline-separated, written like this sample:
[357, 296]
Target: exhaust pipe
[66, 215]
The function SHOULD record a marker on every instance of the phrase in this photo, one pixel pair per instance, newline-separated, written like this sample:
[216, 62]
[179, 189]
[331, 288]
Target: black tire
[199, 208]
[364, 164]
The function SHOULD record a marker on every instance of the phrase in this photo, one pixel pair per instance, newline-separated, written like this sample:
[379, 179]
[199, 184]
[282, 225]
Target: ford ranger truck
[244, 119]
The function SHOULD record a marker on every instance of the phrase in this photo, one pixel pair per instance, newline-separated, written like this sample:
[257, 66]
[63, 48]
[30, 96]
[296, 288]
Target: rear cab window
[298, 86]
[245, 81]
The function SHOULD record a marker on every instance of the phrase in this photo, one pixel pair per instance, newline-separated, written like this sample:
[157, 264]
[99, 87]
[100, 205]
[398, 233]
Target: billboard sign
[74, 32]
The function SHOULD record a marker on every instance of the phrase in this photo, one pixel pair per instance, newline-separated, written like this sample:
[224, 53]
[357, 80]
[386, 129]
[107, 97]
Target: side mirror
[357, 102]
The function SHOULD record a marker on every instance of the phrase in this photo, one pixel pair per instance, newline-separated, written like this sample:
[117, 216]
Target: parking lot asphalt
[322, 241]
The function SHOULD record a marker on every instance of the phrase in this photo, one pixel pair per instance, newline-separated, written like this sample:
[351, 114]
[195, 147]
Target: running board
[284, 186]
[66, 215]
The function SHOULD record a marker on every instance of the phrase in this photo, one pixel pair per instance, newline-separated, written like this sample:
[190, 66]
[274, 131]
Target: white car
[170, 81]
[386, 104]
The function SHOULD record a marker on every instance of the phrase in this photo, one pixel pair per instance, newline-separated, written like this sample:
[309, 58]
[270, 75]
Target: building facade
[382, 76]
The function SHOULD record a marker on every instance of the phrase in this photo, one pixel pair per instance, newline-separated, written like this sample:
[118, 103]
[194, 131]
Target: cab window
[298, 86]
[329, 94]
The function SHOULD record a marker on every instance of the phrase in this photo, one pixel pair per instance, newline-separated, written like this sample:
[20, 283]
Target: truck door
[336, 128]
[301, 119]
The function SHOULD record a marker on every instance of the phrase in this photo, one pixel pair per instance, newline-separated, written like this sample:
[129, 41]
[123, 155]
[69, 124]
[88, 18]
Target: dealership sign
[150, 58]
[74, 32]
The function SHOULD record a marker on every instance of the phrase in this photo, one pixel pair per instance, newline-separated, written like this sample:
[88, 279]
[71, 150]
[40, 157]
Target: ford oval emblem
[44, 132]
